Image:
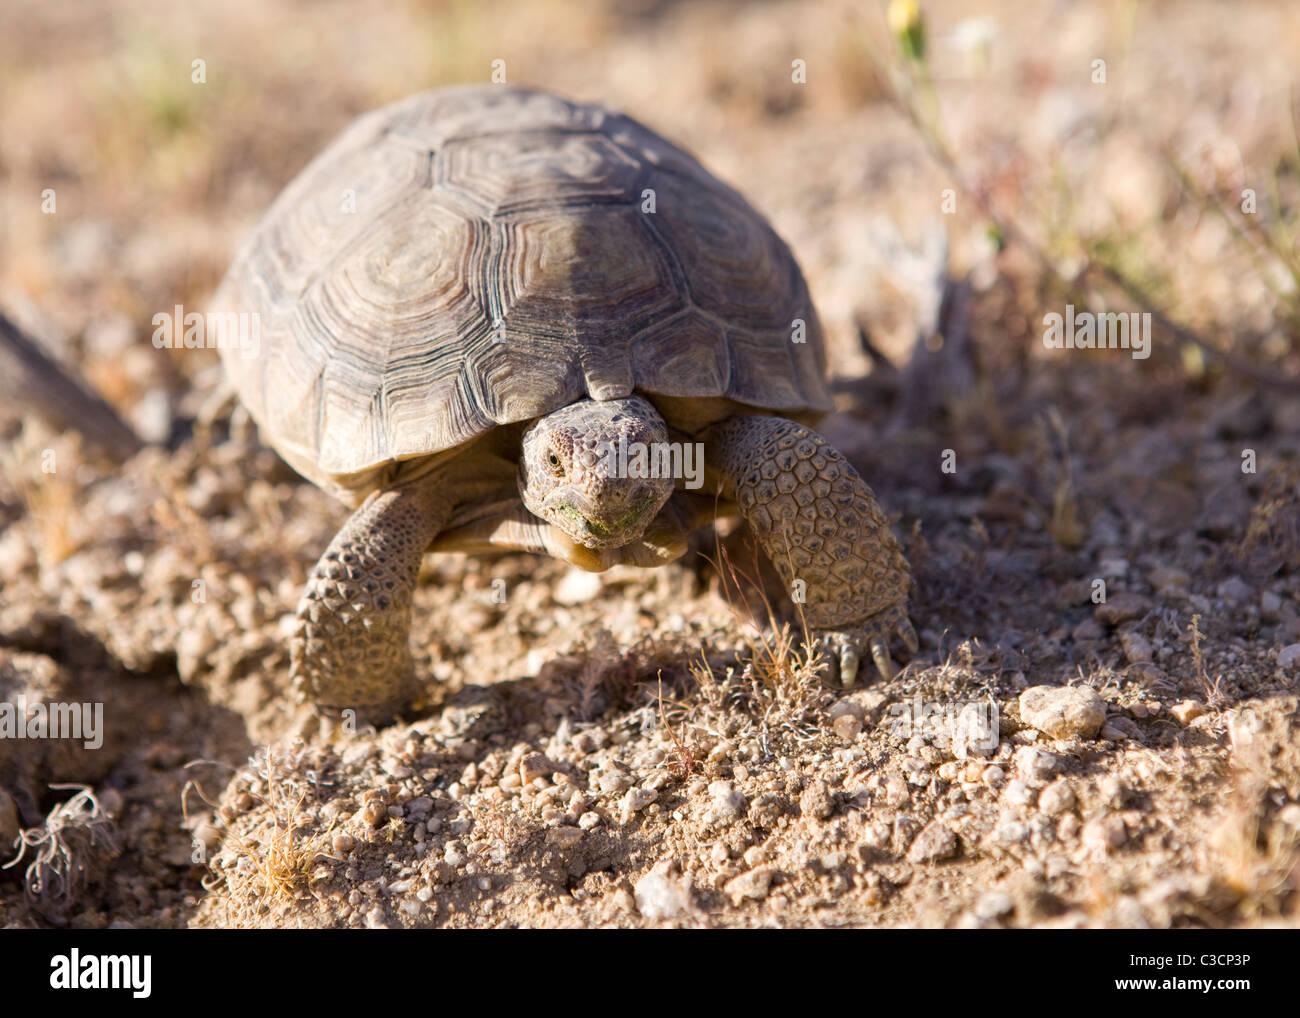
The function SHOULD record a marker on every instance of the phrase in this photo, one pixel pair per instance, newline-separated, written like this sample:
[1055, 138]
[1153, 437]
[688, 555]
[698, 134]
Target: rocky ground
[1106, 549]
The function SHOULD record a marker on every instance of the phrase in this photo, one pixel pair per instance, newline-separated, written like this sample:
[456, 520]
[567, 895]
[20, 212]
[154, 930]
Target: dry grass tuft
[1253, 854]
[65, 847]
[276, 860]
[775, 688]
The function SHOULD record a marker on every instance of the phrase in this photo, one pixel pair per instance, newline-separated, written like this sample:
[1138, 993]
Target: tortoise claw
[908, 636]
[880, 655]
[848, 665]
[842, 650]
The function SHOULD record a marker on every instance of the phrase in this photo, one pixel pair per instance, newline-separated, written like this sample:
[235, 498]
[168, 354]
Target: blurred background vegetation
[1067, 187]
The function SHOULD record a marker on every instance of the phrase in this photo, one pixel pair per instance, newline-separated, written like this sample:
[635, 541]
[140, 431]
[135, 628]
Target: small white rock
[934, 844]
[1063, 712]
[752, 886]
[1056, 798]
[577, 586]
[1187, 711]
[661, 894]
[638, 799]
[994, 904]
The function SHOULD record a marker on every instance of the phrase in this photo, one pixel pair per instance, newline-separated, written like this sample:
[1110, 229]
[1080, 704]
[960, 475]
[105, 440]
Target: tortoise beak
[618, 527]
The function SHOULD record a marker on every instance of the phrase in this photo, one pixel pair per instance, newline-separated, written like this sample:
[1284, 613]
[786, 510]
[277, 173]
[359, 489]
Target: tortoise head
[585, 468]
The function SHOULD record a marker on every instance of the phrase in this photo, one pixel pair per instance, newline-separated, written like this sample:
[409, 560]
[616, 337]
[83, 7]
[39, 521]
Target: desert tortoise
[473, 295]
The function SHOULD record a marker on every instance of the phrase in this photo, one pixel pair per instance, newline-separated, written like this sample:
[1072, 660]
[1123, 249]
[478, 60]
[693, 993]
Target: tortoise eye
[553, 460]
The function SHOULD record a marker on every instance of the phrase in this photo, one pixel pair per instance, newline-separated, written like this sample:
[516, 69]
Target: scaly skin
[351, 648]
[565, 473]
[818, 522]
[816, 519]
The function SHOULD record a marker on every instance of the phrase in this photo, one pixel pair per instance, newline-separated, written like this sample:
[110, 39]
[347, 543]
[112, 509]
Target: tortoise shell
[476, 256]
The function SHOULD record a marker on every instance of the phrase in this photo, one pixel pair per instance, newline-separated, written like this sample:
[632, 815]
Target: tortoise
[472, 296]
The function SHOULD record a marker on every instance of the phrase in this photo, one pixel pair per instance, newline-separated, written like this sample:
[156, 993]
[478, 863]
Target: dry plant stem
[49, 388]
[1011, 230]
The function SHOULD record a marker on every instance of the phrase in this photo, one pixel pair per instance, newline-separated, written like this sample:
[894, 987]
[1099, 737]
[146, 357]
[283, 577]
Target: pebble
[1018, 793]
[751, 886]
[994, 904]
[756, 855]
[1288, 657]
[935, 843]
[1035, 763]
[358, 753]
[1112, 790]
[342, 842]
[395, 768]
[1118, 729]
[419, 806]
[662, 894]
[918, 774]
[1087, 631]
[613, 782]
[638, 799]
[1169, 581]
[896, 793]
[1056, 798]
[767, 809]
[563, 837]
[876, 835]
[1136, 646]
[1234, 589]
[589, 820]
[1104, 834]
[993, 776]
[817, 801]
[847, 727]
[1011, 832]
[1063, 712]
[1121, 607]
[1270, 606]
[534, 766]
[724, 793]
[1187, 711]
[577, 586]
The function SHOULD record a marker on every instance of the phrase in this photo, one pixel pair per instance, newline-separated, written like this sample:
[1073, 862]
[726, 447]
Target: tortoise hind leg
[819, 523]
[351, 648]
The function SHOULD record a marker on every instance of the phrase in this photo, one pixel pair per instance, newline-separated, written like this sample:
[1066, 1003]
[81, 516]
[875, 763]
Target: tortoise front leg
[819, 523]
[351, 648]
